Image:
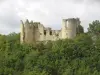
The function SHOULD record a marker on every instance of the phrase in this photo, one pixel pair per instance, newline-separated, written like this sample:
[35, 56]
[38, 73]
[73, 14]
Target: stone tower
[30, 32]
[69, 27]
[27, 32]
[33, 32]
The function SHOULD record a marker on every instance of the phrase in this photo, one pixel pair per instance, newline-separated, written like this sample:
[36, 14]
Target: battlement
[29, 24]
[31, 32]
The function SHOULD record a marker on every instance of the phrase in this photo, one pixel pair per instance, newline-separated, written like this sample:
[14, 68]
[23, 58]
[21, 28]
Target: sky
[49, 12]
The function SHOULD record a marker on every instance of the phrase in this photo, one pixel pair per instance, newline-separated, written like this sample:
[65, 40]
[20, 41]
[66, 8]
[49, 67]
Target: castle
[32, 32]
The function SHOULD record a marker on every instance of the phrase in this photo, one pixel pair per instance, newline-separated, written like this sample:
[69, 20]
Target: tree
[94, 29]
[78, 56]
[79, 29]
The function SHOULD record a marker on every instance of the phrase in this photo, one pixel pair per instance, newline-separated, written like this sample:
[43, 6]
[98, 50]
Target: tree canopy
[94, 28]
[80, 29]
[78, 56]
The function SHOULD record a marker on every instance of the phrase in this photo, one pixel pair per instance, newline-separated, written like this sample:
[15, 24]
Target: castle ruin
[32, 32]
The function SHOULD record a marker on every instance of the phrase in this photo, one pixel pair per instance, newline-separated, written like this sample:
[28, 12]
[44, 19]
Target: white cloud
[48, 12]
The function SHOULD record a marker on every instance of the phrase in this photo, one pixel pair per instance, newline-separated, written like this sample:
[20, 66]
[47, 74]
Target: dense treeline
[80, 56]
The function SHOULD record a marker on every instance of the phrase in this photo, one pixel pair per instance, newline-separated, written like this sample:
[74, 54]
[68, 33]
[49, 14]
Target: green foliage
[94, 29]
[80, 56]
[79, 29]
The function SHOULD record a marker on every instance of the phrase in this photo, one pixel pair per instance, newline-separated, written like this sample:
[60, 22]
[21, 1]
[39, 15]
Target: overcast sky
[48, 12]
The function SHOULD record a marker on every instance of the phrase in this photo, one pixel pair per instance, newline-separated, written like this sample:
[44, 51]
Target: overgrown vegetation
[80, 56]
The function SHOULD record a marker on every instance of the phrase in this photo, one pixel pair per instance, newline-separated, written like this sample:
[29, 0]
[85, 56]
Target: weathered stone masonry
[32, 32]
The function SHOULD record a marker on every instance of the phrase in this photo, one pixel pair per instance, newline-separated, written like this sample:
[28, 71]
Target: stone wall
[32, 32]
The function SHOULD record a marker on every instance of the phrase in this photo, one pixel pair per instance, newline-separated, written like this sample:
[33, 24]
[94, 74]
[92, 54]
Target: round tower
[69, 28]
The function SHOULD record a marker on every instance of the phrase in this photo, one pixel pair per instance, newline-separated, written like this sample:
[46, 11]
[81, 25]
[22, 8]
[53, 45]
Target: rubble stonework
[32, 32]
